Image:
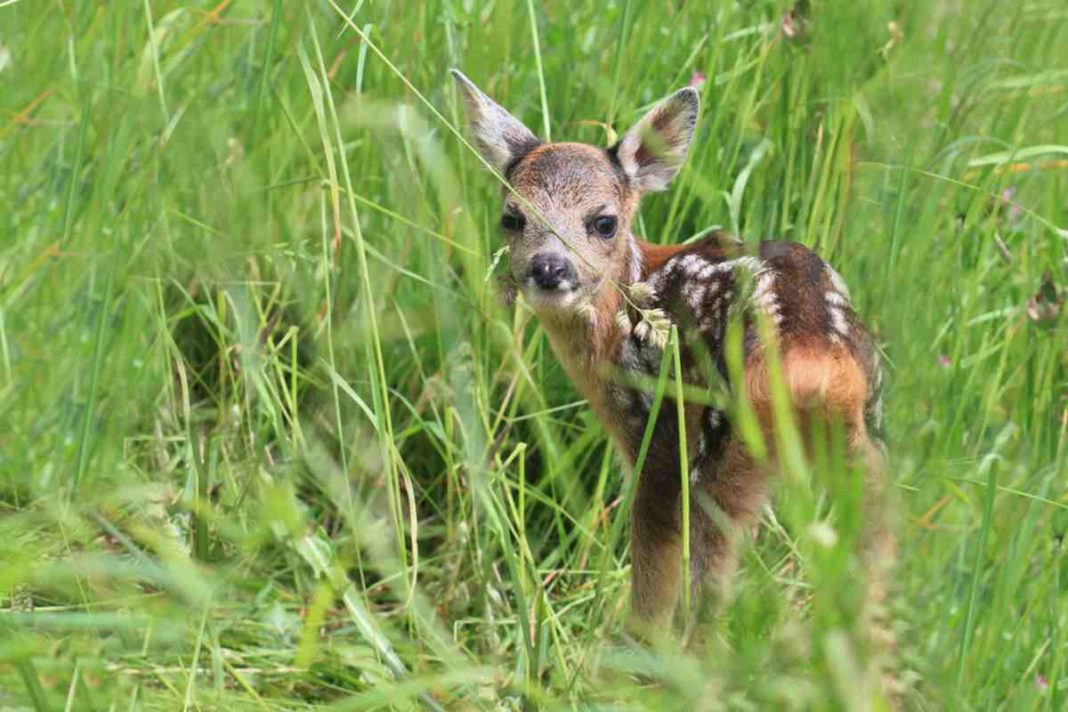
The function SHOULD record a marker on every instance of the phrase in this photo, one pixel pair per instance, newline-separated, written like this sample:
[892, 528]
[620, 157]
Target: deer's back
[827, 353]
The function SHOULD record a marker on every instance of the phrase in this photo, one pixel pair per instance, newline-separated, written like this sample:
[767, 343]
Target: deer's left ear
[653, 150]
[500, 138]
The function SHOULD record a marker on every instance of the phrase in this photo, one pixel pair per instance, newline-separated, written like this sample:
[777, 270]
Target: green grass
[269, 438]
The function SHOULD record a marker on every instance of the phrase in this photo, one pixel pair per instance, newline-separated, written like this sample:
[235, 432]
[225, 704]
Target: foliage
[269, 437]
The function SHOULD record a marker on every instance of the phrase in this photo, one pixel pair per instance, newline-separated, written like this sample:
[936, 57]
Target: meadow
[271, 437]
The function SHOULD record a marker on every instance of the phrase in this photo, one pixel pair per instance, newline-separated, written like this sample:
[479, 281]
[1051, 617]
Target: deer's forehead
[569, 173]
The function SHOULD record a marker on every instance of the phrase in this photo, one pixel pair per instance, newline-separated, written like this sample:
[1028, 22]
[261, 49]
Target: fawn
[598, 292]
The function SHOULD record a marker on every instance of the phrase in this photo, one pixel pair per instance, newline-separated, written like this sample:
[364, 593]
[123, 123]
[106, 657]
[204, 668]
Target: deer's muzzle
[552, 271]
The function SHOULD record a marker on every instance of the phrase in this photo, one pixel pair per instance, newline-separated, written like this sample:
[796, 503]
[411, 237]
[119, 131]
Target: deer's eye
[604, 226]
[512, 223]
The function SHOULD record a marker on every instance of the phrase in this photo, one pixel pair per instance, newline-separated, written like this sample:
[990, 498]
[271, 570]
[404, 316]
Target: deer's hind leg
[830, 390]
[877, 544]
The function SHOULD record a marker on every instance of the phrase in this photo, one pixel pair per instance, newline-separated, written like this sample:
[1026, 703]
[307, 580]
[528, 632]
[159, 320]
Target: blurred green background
[269, 437]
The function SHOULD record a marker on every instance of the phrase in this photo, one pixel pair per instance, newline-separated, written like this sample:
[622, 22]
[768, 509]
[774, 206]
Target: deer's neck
[587, 344]
[583, 340]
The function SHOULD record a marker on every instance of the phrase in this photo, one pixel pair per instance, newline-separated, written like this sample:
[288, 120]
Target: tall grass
[269, 437]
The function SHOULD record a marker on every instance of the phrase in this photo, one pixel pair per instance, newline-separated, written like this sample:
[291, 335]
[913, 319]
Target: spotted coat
[700, 289]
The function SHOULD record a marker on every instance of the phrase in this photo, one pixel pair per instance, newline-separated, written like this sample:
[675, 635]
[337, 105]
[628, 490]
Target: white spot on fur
[765, 297]
[714, 417]
[838, 320]
[838, 282]
[695, 296]
[764, 285]
[836, 299]
[692, 263]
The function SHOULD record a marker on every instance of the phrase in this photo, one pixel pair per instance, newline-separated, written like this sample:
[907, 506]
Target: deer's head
[568, 207]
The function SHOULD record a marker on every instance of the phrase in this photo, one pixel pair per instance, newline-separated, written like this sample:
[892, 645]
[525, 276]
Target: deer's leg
[877, 545]
[726, 500]
[656, 549]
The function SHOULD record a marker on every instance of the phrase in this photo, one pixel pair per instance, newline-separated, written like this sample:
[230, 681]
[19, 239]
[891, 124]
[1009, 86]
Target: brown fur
[655, 256]
[823, 377]
[828, 362]
[586, 349]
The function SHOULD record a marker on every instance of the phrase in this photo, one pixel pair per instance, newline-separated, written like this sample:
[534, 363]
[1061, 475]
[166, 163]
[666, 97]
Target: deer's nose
[550, 269]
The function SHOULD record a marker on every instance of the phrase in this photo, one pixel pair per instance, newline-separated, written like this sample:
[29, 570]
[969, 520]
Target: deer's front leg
[656, 548]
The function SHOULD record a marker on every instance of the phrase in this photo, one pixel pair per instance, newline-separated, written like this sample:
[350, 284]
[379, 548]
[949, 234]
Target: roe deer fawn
[568, 214]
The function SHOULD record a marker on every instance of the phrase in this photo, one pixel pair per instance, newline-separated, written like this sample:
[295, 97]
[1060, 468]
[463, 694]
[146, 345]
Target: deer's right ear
[500, 138]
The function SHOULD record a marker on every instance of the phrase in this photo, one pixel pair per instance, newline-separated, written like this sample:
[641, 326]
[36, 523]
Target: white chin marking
[563, 297]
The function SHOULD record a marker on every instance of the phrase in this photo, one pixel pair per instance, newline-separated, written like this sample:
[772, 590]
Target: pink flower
[944, 361]
[1041, 682]
[697, 79]
[1014, 208]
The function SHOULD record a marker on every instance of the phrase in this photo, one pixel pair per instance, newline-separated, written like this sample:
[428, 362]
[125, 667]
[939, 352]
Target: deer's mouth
[569, 295]
[558, 295]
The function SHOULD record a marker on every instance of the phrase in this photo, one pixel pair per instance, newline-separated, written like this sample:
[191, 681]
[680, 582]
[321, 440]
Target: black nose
[549, 269]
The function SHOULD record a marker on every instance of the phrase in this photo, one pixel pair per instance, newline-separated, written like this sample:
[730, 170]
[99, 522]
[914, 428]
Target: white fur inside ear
[653, 150]
[500, 138]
